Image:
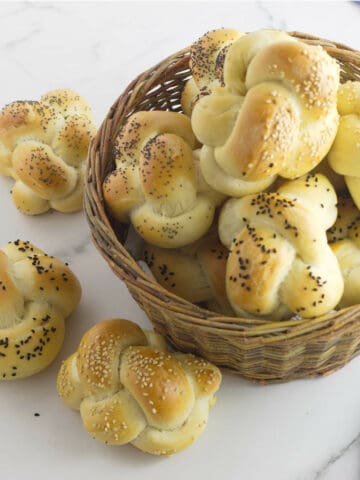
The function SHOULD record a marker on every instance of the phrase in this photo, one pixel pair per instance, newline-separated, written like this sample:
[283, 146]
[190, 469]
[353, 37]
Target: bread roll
[195, 272]
[344, 239]
[206, 63]
[280, 263]
[156, 184]
[43, 146]
[275, 115]
[37, 293]
[344, 155]
[129, 389]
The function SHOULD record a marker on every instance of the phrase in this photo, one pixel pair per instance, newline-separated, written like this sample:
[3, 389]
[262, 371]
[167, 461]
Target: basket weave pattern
[256, 349]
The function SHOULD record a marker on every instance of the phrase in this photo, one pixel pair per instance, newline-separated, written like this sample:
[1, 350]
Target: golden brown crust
[37, 293]
[162, 177]
[165, 402]
[207, 55]
[253, 269]
[143, 125]
[68, 382]
[205, 376]
[128, 388]
[43, 146]
[156, 184]
[263, 135]
[279, 259]
[286, 116]
[195, 272]
[46, 174]
[116, 419]
[67, 102]
[99, 353]
[206, 62]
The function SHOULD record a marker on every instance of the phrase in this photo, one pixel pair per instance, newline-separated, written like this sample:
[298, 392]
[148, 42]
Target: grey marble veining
[273, 20]
[352, 448]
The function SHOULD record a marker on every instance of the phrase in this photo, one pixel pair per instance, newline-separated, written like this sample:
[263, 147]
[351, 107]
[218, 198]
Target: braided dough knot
[157, 185]
[275, 114]
[43, 146]
[128, 388]
[280, 263]
[37, 293]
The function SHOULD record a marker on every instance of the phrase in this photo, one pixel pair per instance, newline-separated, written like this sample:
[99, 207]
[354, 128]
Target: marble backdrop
[303, 430]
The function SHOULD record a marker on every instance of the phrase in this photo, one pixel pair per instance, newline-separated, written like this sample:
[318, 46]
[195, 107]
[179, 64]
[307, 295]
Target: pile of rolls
[248, 201]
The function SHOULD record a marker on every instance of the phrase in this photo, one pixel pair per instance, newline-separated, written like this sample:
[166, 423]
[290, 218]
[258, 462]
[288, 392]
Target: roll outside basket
[259, 350]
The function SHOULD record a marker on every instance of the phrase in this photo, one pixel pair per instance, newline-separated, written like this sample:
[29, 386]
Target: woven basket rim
[134, 275]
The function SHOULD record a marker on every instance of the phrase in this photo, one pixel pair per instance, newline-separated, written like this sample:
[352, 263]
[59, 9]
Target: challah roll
[280, 263]
[344, 239]
[206, 63]
[129, 389]
[344, 155]
[275, 115]
[43, 146]
[195, 272]
[37, 293]
[157, 184]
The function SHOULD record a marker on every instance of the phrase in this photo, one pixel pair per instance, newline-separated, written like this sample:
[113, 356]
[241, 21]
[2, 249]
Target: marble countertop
[303, 430]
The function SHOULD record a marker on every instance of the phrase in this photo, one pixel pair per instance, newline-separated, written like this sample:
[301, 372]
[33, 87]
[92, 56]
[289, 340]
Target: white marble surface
[304, 430]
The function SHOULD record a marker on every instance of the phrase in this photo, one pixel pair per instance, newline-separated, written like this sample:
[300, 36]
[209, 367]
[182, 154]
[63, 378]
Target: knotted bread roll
[195, 272]
[344, 155]
[43, 146]
[129, 389]
[344, 239]
[275, 115]
[37, 293]
[280, 263]
[206, 63]
[157, 184]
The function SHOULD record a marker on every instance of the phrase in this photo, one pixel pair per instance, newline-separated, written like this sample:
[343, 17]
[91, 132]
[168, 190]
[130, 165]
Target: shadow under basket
[262, 351]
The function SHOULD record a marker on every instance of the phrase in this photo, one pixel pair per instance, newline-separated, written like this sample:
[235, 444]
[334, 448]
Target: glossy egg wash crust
[157, 184]
[37, 293]
[43, 146]
[264, 104]
[280, 263]
[130, 389]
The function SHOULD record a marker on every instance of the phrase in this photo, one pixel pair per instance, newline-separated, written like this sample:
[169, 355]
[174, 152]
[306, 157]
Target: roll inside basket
[259, 350]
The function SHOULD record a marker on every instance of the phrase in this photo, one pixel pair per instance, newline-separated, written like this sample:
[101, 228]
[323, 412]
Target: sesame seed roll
[130, 389]
[275, 113]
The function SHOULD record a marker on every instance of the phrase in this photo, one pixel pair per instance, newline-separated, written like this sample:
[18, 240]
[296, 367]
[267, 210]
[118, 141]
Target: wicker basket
[258, 350]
